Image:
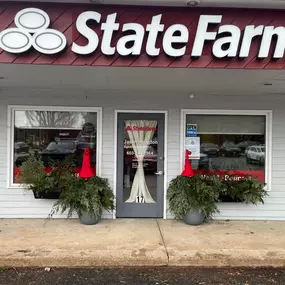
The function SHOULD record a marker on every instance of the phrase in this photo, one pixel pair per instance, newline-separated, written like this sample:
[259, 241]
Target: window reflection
[54, 135]
[230, 143]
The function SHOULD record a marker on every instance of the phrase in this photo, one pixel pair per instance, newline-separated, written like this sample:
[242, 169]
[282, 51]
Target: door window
[140, 161]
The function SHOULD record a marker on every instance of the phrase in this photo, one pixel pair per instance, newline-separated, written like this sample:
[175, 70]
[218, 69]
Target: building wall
[18, 203]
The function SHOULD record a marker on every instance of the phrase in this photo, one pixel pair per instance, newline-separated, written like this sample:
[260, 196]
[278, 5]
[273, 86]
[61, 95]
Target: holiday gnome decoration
[86, 170]
[188, 171]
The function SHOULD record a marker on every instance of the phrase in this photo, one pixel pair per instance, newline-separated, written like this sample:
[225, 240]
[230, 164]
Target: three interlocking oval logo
[32, 30]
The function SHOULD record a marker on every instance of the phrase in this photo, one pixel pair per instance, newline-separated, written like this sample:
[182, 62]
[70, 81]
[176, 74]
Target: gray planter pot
[194, 218]
[88, 219]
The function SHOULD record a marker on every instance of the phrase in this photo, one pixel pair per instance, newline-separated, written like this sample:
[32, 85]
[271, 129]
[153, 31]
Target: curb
[229, 258]
[213, 258]
[83, 258]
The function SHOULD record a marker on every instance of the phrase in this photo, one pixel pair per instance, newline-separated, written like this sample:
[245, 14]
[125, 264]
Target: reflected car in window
[244, 145]
[230, 149]
[58, 151]
[202, 164]
[210, 149]
[19, 158]
[256, 154]
[21, 147]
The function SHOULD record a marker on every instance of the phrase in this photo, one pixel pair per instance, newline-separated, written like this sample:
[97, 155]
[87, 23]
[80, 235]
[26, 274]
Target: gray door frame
[137, 210]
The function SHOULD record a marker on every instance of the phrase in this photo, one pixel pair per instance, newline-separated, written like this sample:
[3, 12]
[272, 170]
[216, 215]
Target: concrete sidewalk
[130, 242]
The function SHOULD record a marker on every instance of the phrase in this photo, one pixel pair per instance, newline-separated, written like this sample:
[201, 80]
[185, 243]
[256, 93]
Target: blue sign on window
[191, 130]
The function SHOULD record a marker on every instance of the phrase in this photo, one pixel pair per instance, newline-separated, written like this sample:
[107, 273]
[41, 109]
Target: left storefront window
[53, 136]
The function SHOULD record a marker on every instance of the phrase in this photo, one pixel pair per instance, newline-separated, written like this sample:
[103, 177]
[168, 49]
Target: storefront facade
[139, 86]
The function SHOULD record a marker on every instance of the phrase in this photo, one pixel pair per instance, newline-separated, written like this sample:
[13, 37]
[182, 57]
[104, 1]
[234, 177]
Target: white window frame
[268, 135]
[10, 134]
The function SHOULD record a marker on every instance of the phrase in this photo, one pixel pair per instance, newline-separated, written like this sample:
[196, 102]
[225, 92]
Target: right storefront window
[234, 143]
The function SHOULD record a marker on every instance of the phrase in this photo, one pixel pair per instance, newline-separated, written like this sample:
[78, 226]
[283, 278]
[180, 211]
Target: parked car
[256, 154]
[58, 151]
[21, 153]
[21, 147]
[201, 164]
[230, 149]
[244, 145]
[19, 158]
[204, 162]
[210, 149]
[83, 145]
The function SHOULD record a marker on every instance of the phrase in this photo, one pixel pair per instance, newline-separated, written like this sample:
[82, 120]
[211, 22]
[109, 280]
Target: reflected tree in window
[52, 119]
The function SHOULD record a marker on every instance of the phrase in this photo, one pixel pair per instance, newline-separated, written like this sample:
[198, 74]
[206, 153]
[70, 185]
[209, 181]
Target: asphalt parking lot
[142, 276]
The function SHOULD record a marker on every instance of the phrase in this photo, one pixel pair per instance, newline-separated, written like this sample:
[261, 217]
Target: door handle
[159, 173]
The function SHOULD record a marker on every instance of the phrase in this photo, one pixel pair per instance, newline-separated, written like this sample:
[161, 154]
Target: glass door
[140, 165]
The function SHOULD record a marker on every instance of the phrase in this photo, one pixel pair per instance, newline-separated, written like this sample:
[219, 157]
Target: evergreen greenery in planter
[247, 189]
[34, 176]
[84, 197]
[193, 194]
[202, 192]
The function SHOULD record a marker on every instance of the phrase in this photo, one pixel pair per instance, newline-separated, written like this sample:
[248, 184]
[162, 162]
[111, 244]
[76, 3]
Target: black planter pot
[46, 195]
[229, 199]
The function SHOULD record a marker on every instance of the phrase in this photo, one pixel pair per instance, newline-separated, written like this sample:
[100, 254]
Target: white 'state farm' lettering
[228, 41]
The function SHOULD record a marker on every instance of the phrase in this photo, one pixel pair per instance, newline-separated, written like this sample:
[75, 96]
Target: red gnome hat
[188, 171]
[86, 171]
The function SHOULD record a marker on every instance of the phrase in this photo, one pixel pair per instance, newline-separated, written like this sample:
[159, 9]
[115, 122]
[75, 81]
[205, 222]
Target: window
[234, 141]
[54, 134]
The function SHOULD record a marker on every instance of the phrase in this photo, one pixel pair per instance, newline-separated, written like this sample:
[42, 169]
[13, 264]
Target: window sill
[15, 186]
[49, 196]
[228, 199]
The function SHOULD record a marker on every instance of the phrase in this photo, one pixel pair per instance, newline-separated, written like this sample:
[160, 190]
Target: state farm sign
[229, 41]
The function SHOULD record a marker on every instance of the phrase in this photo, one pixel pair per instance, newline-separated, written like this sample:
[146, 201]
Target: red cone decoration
[188, 171]
[86, 170]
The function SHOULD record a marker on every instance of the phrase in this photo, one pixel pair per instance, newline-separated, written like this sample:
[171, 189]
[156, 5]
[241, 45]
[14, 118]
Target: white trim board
[268, 134]
[165, 150]
[10, 134]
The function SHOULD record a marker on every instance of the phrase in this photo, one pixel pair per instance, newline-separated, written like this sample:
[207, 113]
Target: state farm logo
[227, 41]
[32, 31]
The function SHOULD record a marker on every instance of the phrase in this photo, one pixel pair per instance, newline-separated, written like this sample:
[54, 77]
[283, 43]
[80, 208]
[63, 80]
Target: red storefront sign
[237, 174]
[17, 172]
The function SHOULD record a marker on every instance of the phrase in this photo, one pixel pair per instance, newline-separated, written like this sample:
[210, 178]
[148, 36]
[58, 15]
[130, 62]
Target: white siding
[17, 203]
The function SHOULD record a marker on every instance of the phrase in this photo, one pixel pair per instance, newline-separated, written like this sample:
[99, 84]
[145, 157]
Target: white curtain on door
[140, 134]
